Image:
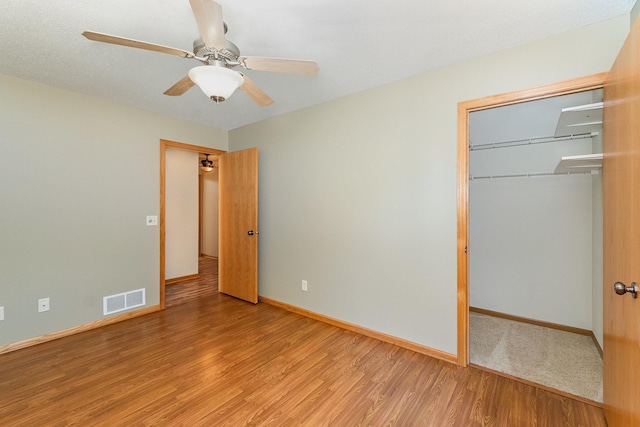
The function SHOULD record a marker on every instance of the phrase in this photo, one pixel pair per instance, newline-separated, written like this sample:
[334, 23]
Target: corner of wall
[634, 13]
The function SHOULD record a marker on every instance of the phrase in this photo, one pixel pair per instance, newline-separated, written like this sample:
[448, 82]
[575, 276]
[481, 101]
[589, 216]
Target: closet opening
[533, 239]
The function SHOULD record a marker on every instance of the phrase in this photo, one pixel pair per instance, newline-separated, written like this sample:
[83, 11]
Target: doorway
[464, 111]
[535, 241]
[164, 144]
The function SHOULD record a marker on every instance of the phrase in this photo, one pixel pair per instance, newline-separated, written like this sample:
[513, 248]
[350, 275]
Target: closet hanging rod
[524, 175]
[528, 141]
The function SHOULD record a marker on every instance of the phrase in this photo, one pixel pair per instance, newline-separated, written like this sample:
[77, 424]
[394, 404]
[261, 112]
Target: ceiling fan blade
[254, 92]
[294, 66]
[183, 85]
[122, 41]
[208, 16]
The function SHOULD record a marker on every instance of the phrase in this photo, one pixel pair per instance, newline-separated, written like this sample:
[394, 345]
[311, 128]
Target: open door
[621, 192]
[238, 230]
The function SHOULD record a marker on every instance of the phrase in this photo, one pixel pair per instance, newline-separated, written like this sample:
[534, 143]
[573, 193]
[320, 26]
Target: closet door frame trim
[581, 84]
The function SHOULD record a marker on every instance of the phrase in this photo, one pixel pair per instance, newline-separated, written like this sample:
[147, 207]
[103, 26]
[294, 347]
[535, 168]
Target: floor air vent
[120, 302]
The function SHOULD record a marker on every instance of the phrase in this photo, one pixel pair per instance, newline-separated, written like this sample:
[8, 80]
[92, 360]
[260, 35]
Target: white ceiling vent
[120, 302]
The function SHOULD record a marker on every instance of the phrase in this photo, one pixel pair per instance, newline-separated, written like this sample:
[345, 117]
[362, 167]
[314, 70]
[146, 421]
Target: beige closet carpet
[562, 360]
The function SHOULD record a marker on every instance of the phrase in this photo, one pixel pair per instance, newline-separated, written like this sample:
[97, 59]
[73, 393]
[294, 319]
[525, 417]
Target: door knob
[621, 289]
[251, 232]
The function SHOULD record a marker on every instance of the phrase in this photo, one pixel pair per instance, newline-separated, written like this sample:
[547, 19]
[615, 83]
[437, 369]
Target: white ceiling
[358, 44]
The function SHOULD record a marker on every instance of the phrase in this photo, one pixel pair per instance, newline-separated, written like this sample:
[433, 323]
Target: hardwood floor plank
[215, 360]
[206, 284]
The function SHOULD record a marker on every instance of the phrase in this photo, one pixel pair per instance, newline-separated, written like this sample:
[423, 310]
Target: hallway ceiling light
[206, 164]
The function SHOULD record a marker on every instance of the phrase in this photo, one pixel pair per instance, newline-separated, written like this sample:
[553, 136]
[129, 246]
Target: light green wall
[358, 195]
[78, 176]
[635, 12]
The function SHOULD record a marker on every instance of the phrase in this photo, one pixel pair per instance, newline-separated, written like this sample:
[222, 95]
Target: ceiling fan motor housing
[229, 54]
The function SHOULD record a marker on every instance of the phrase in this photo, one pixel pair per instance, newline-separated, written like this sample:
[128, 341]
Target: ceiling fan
[217, 77]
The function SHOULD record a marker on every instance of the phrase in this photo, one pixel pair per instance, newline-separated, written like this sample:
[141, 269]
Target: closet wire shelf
[583, 164]
[527, 141]
[526, 175]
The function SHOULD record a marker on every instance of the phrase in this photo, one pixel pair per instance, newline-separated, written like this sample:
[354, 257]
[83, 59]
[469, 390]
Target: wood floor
[219, 361]
[188, 290]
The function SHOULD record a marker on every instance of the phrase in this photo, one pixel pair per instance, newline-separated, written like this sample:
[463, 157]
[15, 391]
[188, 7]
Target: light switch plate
[152, 220]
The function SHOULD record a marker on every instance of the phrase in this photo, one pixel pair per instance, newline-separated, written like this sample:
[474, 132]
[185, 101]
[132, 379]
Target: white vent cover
[120, 302]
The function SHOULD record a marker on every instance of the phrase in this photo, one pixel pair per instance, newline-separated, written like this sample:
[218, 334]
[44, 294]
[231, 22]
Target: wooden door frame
[163, 180]
[200, 183]
[594, 81]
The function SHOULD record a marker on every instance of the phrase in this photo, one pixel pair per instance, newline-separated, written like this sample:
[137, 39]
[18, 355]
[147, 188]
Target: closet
[535, 213]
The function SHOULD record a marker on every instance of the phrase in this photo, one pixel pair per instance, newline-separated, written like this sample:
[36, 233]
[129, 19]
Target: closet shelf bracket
[586, 163]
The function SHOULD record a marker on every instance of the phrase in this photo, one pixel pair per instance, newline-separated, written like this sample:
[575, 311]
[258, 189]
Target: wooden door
[238, 230]
[621, 180]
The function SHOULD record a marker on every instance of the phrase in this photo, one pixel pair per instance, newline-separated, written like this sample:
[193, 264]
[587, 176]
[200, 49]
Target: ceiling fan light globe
[218, 83]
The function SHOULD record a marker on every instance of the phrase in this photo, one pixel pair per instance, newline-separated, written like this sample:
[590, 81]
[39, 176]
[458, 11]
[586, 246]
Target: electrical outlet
[43, 305]
[304, 285]
[1, 313]
[152, 220]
